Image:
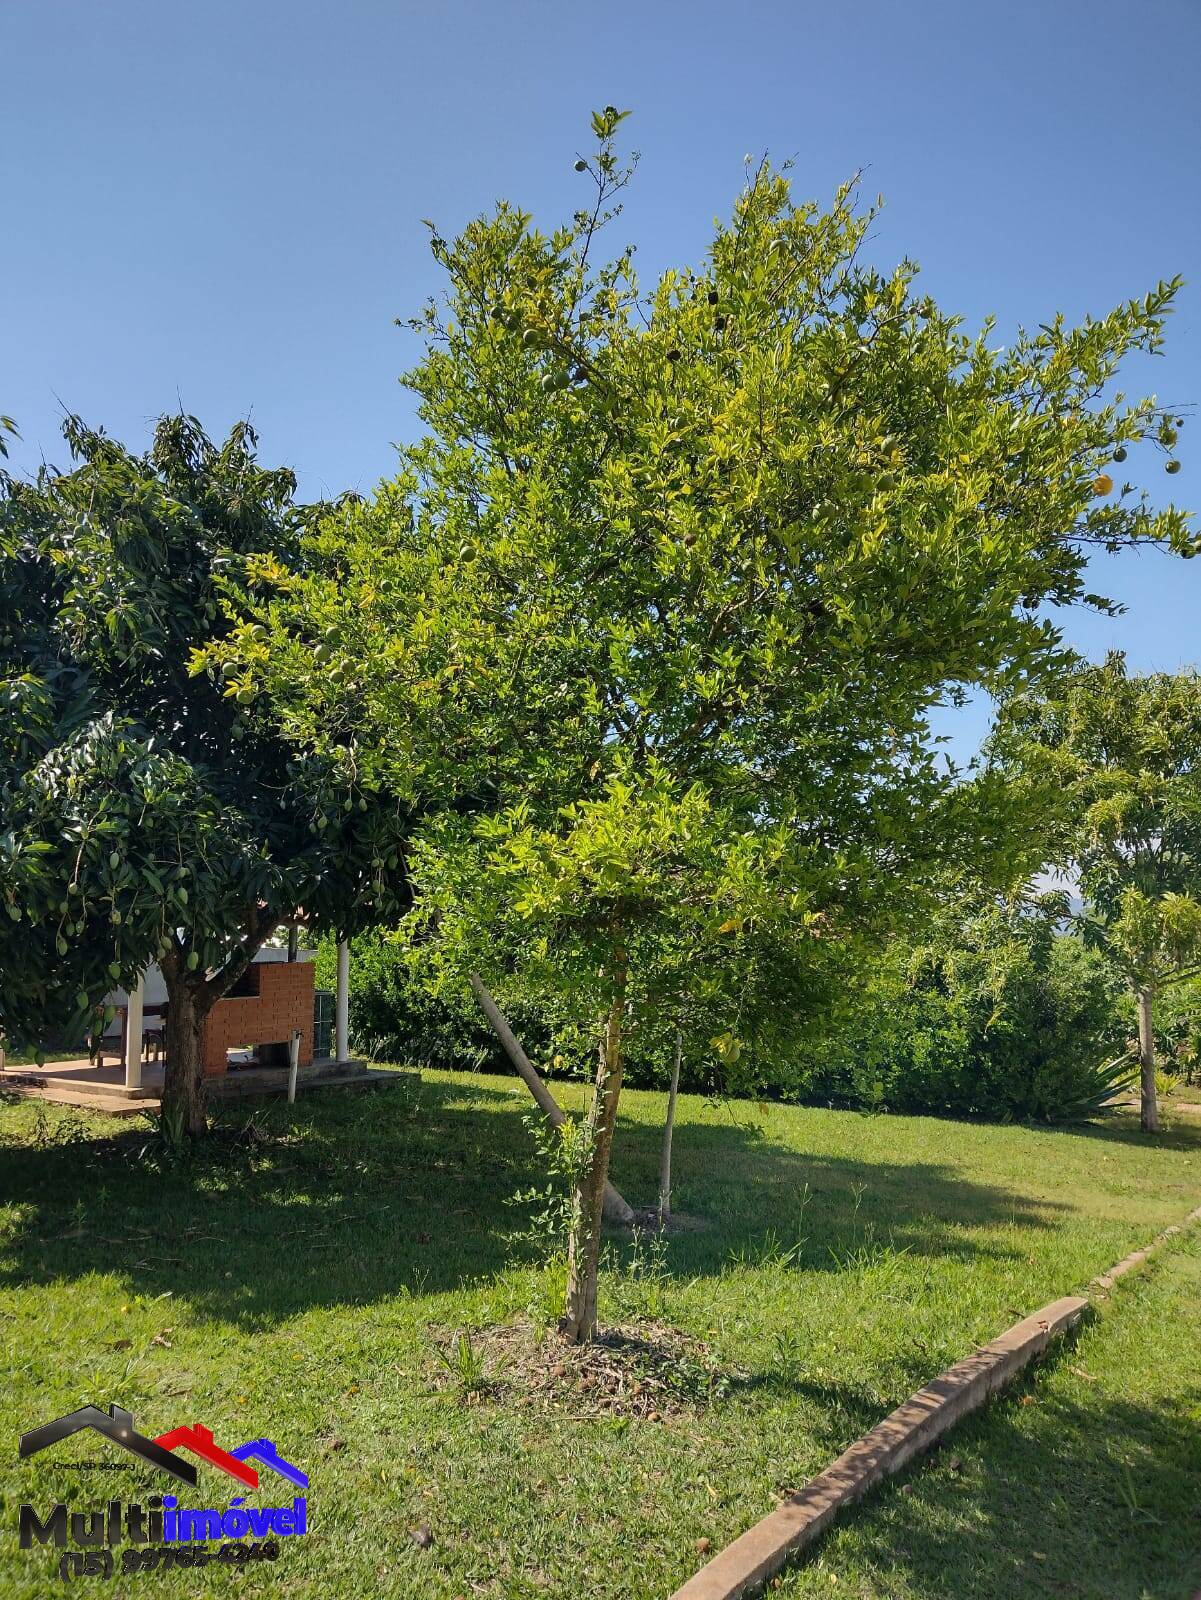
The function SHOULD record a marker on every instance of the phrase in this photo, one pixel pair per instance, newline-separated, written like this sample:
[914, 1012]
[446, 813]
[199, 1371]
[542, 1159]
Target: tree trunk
[183, 1070]
[668, 1129]
[190, 998]
[583, 1254]
[1146, 1056]
[616, 1209]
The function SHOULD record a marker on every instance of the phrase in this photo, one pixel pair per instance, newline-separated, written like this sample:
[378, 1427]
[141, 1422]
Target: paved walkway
[91, 1088]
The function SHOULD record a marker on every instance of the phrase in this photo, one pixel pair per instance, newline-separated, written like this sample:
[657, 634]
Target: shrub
[1178, 1030]
[394, 1018]
[405, 1007]
[999, 1015]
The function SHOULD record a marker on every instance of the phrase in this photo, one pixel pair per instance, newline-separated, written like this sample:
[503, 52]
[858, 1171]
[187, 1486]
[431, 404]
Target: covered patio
[250, 1038]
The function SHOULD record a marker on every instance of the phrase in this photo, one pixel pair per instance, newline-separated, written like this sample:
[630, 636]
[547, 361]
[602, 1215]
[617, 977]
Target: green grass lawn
[1084, 1480]
[299, 1287]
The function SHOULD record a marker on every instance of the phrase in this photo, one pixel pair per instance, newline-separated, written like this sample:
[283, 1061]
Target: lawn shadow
[768, 1199]
[1041, 1499]
[1123, 1128]
[351, 1199]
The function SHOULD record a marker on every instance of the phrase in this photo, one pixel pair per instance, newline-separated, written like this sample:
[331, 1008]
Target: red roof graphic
[199, 1440]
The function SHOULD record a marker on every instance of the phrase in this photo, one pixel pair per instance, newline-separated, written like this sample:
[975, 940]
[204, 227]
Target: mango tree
[679, 575]
[149, 807]
[1114, 760]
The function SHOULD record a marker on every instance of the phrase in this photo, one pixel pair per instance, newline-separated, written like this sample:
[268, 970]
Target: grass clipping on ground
[645, 1370]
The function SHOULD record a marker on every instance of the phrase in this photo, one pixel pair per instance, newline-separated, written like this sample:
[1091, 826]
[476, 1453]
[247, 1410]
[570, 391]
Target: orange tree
[150, 810]
[677, 576]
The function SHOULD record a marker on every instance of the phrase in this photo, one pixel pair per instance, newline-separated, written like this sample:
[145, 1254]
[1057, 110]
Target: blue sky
[220, 205]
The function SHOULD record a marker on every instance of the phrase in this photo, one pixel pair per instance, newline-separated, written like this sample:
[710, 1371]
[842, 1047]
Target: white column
[133, 1034]
[293, 1060]
[342, 1004]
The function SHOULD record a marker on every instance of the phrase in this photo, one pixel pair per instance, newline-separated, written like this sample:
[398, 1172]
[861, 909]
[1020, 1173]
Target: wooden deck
[92, 1088]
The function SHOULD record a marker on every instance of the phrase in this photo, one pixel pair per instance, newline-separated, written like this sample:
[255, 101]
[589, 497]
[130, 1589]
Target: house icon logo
[161, 1452]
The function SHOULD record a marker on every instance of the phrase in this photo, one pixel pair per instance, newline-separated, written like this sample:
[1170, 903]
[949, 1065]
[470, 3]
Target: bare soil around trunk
[644, 1370]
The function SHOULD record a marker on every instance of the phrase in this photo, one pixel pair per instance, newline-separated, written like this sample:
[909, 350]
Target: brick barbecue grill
[272, 1001]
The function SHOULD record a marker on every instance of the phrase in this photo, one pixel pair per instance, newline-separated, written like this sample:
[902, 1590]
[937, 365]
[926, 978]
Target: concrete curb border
[760, 1552]
[904, 1433]
[1100, 1285]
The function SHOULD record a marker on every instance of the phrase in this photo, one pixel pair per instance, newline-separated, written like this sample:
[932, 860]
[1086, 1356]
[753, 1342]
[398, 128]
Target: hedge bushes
[393, 1018]
[999, 1014]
